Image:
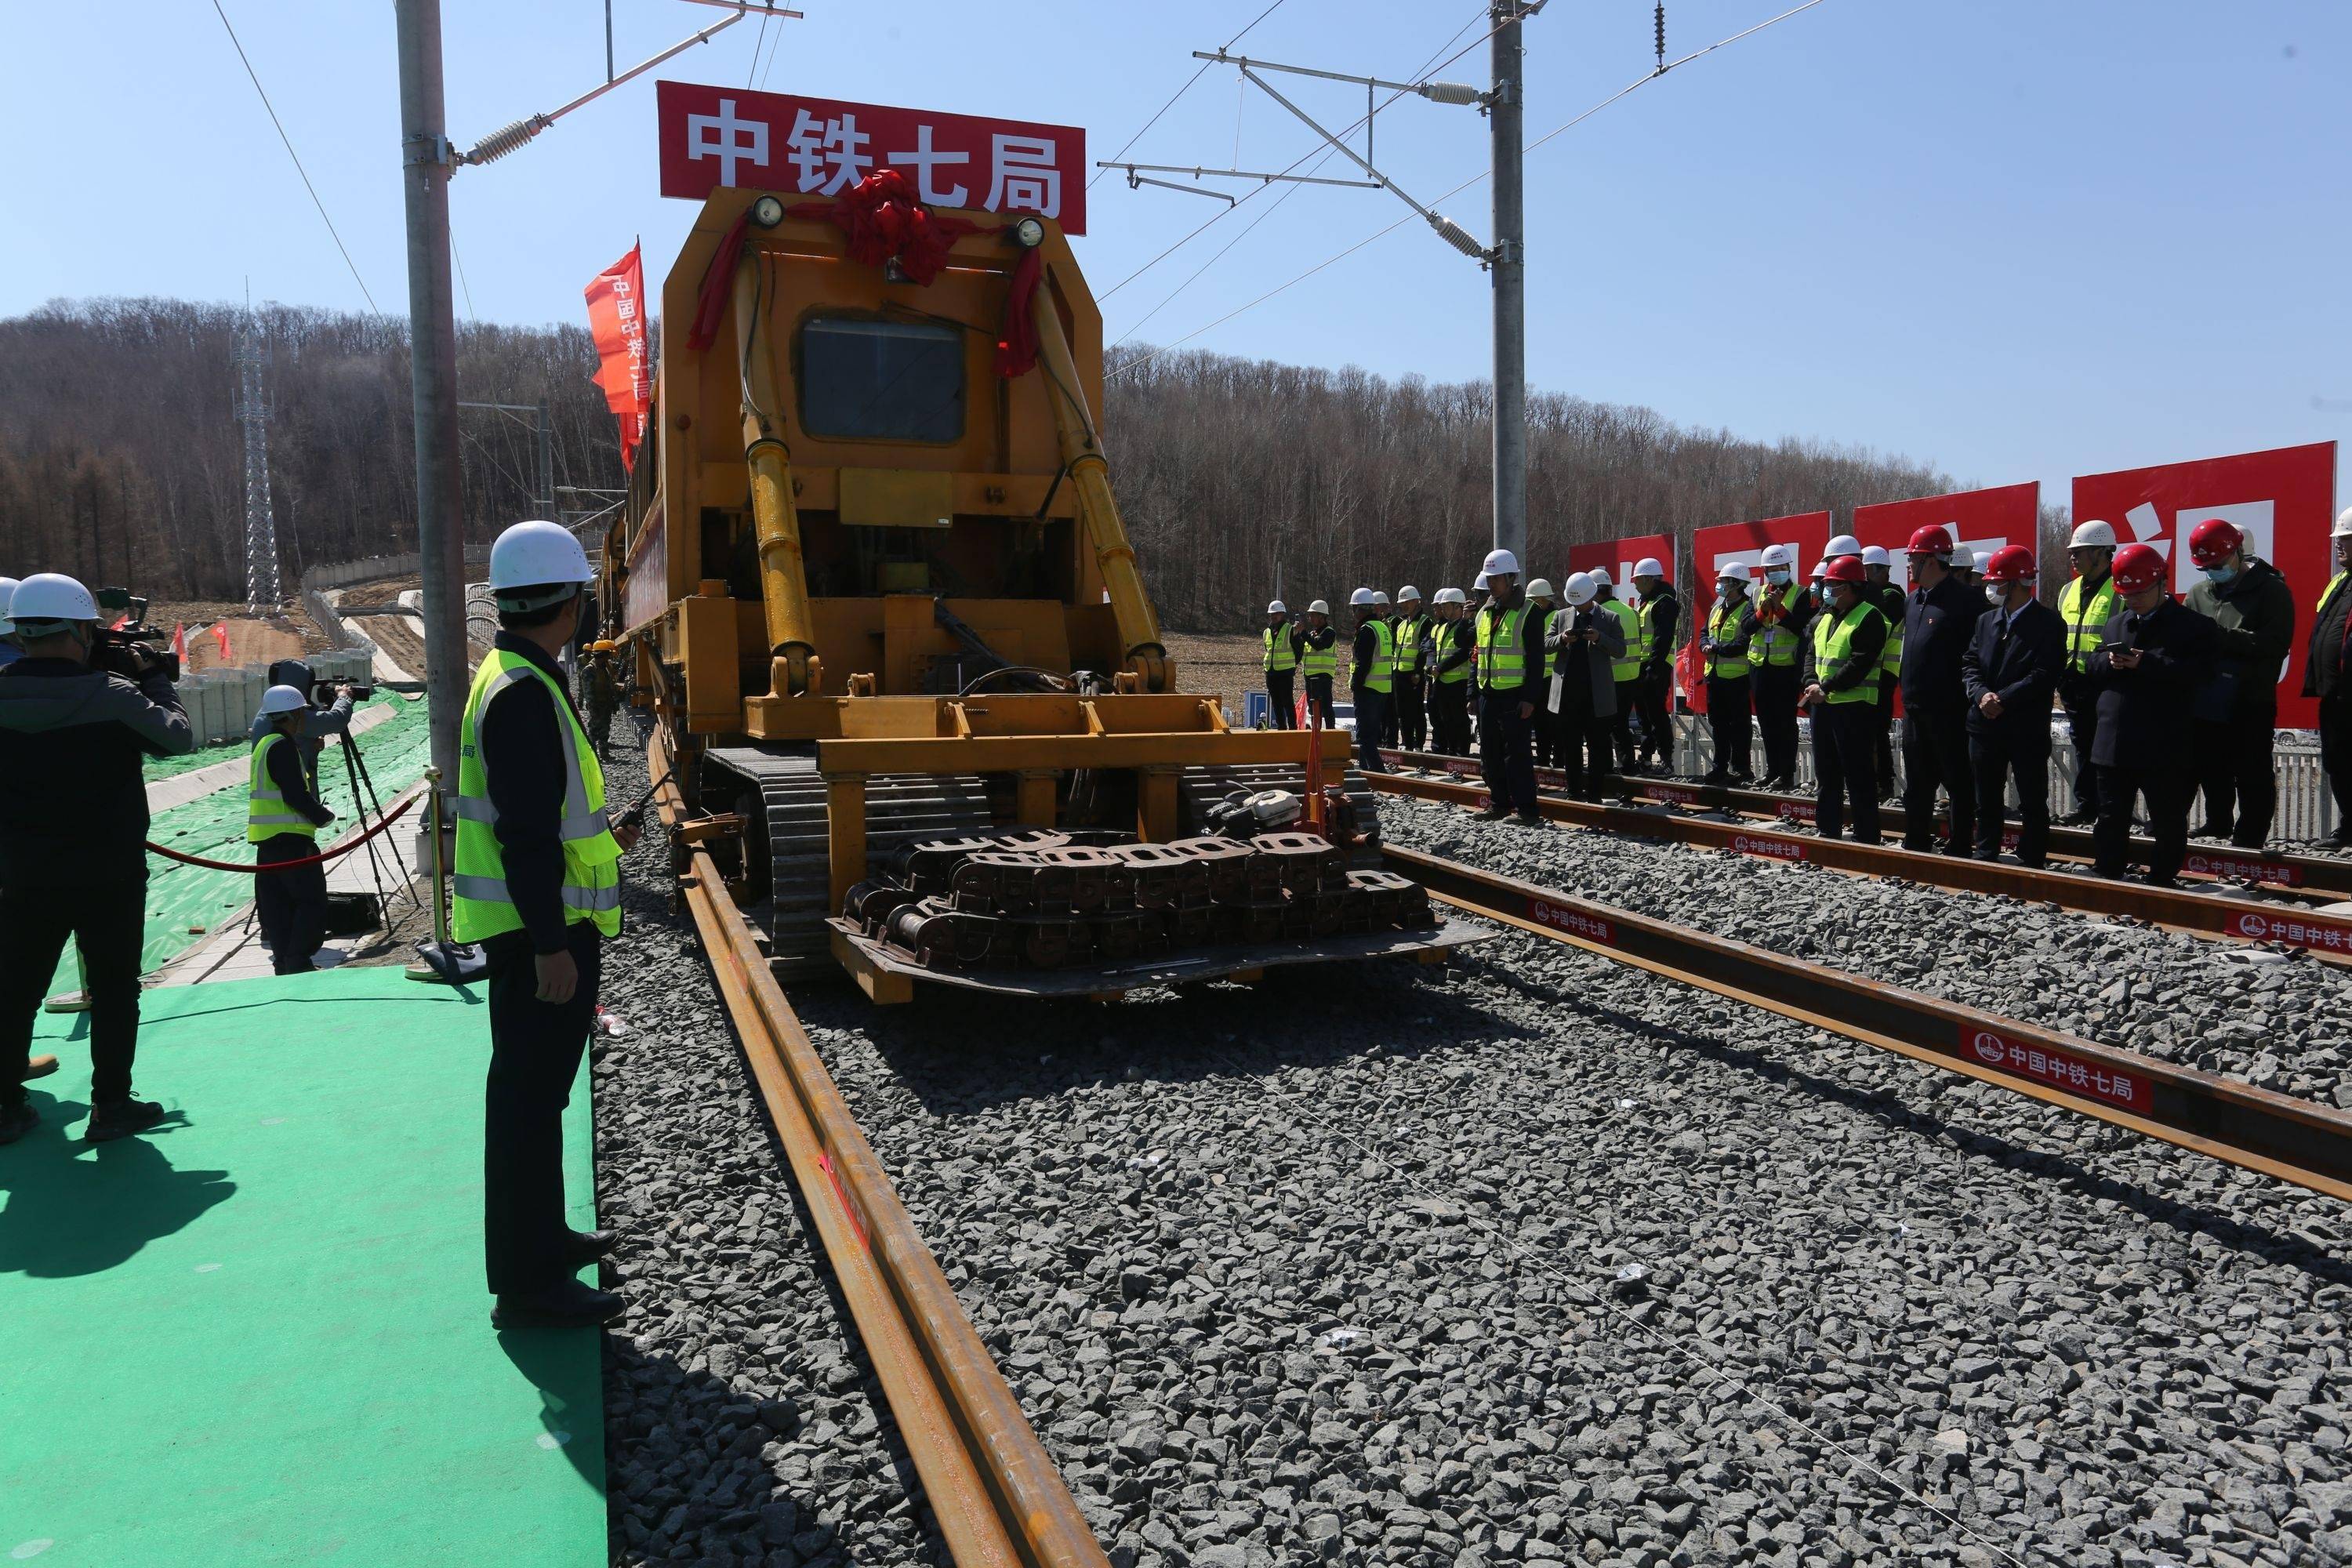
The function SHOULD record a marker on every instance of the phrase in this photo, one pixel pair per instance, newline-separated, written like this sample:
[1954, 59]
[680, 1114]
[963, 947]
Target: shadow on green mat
[566, 1366]
[79, 1208]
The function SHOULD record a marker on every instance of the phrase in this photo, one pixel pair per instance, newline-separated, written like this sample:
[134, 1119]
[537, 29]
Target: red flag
[616, 320]
[180, 643]
[220, 635]
[1687, 673]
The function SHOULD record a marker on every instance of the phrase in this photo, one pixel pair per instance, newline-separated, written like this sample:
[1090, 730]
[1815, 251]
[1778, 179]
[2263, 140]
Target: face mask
[1776, 576]
[1722, 595]
[1994, 593]
[2220, 574]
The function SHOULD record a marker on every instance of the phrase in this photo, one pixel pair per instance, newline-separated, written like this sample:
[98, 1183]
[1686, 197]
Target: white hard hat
[1479, 581]
[1779, 555]
[1821, 569]
[1581, 588]
[1277, 608]
[7, 587]
[1601, 578]
[1319, 607]
[2092, 535]
[283, 700]
[1983, 559]
[1380, 596]
[2343, 531]
[531, 554]
[1732, 572]
[51, 596]
[1843, 544]
[1408, 594]
[1361, 598]
[1501, 562]
[1451, 596]
[1648, 566]
[1538, 587]
[1875, 555]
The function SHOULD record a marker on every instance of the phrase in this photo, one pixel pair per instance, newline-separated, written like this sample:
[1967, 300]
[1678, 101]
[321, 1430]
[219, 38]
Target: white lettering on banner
[2253, 870]
[921, 159]
[1674, 793]
[2333, 936]
[2060, 1069]
[1770, 849]
[1798, 811]
[728, 148]
[1576, 922]
[1022, 176]
[830, 154]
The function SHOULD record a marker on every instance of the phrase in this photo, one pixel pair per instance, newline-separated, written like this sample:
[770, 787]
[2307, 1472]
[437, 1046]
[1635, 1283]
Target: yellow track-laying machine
[878, 591]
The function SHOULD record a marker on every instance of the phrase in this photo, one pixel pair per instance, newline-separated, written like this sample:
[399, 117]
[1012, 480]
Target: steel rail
[999, 1499]
[2325, 937]
[2296, 1141]
[2311, 874]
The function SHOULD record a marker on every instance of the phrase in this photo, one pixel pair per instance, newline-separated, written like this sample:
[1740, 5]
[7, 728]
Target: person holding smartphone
[2149, 657]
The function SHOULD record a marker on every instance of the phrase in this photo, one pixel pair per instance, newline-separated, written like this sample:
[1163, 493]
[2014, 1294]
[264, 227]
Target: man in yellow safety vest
[1279, 650]
[2325, 676]
[1509, 643]
[2086, 604]
[1840, 693]
[283, 815]
[538, 885]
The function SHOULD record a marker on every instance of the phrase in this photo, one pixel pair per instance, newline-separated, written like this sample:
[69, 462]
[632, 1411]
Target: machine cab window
[866, 380]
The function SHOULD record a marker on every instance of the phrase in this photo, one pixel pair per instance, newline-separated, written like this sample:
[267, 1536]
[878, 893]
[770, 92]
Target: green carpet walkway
[260, 1335]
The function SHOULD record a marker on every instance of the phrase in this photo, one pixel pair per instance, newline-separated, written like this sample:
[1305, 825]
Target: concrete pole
[1505, 114]
[547, 465]
[425, 167]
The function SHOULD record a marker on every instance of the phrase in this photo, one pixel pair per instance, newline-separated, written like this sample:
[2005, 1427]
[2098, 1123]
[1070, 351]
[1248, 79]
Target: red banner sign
[716, 138]
[1571, 919]
[1620, 556]
[1772, 846]
[2059, 1069]
[1979, 519]
[616, 320]
[2283, 501]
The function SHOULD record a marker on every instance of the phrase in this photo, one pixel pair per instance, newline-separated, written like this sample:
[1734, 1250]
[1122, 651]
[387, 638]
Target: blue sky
[2019, 239]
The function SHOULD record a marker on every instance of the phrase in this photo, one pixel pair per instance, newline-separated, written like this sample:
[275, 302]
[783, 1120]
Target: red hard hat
[2137, 567]
[1933, 540]
[2211, 541]
[1843, 569]
[2011, 564]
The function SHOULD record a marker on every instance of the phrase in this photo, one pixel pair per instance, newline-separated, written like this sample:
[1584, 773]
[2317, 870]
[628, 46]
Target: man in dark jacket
[1450, 644]
[1371, 676]
[317, 723]
[73, 824]
[2010, 672]
[1510, 658]
[1939, 618]
[1661, 614]
[1723, 655]
[2148, 661]
[2235, 707]
[283, 821]
[1584, 640]
[2323, 676]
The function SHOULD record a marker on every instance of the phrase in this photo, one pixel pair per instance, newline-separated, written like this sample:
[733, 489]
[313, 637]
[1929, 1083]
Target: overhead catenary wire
[1282, 288]
[255, 77]
[1190, 82]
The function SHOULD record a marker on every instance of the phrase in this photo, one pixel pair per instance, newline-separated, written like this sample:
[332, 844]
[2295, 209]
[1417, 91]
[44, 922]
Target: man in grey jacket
[1584, 640]
[73, 826]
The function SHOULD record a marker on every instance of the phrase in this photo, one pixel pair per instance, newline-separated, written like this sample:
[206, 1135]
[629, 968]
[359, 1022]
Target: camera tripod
[363, 798]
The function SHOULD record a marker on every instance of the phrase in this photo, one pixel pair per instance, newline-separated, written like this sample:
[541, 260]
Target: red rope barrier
[337, 853]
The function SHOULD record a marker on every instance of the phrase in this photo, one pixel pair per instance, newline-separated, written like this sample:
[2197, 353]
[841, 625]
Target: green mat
[261, 1335]
[182, 897]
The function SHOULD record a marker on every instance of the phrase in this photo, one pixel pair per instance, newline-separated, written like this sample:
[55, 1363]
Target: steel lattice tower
[262, 585]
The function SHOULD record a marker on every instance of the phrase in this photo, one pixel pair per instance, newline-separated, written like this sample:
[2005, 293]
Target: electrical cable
[1142, 360]
[1180, 93]
[307, 186]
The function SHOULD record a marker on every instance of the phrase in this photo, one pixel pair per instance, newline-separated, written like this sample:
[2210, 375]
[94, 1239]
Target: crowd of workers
[536, 889]
[2165, 701]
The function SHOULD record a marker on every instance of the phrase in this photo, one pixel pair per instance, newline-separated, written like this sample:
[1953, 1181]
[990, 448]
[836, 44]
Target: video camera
[123, 649]
[294, 672]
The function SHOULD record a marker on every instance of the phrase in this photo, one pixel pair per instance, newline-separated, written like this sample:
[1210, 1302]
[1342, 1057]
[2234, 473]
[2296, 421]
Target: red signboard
[714, 138]
[1620, 556]
[1979, 519]
[2283, 501]
[2058, 1068]
[1741, 545]
[616, 321]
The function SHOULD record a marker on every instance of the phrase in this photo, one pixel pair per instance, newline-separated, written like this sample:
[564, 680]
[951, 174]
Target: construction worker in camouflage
[538, 885]
[602, 681]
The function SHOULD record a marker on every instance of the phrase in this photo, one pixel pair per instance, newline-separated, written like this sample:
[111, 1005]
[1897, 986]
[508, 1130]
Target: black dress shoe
[570, 1305]
[15, 1120]
[121, 1119]
[1493, 814]
[582, 1247]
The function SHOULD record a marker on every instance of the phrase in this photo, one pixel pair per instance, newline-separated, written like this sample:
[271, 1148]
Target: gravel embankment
[1373, 1267]
[742, 1423]
[2278, 1020]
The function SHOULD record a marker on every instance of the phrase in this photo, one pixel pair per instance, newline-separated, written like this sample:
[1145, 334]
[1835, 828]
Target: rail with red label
[2059, 1069]
[2248, 868]
[719, 138]
[1571, 919]
[2323, 933]
[1771, 846]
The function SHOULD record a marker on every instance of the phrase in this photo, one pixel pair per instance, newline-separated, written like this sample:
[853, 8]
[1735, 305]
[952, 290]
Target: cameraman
[73, 824]
[317, 723]
[283, 815]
